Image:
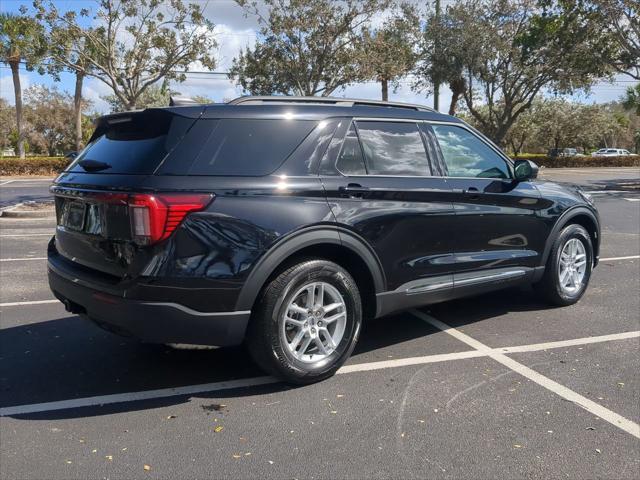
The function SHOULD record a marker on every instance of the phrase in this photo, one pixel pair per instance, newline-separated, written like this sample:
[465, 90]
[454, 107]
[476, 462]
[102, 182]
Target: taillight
[155, 217]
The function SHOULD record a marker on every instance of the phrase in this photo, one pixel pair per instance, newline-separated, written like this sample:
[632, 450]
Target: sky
[235, 31]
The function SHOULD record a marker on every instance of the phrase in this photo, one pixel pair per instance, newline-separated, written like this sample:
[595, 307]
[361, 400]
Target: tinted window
[240, 147]
[134, 144]
[393, 148]
[350, 160]
[467, 156]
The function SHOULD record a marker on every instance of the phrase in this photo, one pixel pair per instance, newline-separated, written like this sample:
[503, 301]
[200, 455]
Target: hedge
[54, 165]
[32, 165]
[586, 161]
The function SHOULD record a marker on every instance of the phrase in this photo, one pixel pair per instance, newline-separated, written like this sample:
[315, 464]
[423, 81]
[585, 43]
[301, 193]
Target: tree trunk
[77, 110]
[18, 94]
[385, 89]
[457, 87]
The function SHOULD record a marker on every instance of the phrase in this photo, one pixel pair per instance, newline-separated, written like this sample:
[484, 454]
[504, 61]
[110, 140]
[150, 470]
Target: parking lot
[496, 386]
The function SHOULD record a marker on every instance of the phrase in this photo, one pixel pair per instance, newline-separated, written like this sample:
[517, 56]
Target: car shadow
[70, 358]
[627, 185]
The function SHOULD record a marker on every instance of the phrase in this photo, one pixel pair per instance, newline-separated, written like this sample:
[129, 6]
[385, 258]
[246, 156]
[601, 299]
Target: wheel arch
[334, 244]
[581, 216]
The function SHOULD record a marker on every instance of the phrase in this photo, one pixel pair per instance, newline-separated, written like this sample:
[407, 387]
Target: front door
[496, 227]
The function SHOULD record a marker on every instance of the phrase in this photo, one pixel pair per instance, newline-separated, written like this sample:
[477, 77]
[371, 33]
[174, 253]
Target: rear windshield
[236, 147]
[132, 144]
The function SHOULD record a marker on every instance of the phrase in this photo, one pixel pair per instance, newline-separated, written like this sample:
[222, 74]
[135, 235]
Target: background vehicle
[611, 152]
[564, 152]
[284, 221]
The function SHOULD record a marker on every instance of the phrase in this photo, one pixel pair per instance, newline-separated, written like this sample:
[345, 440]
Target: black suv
[283, 222]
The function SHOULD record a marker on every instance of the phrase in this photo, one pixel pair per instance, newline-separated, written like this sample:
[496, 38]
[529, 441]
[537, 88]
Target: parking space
[497, 386]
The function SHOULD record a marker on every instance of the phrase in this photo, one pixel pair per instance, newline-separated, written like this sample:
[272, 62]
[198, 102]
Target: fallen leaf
[270, 462]
[590, 428]
[81, 440]
[517, 446]
[402, 434]
[598, 450]
[124, 449]
[170, 417]
[334, 411]
[247, 454]
[339, 396]
[69, 462]
[236, 456]
[94, 451]
[435, 410]
[421, 421]
[146, 468]
[109, 457]
[621, 384]
[218, 429]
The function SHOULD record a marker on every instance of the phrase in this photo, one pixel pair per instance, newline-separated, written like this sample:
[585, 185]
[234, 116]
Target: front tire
[568, 268]
[306, 323]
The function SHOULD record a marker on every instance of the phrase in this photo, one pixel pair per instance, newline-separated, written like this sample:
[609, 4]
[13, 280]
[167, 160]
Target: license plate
[75, 216]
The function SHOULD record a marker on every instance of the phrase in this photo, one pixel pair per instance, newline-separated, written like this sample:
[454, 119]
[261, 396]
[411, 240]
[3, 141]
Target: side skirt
[442, 288]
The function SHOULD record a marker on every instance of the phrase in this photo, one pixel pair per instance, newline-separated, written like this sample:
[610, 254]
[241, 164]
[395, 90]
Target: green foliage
[389, 52]
[581, 162]
[131, 44]
[308, 47]
[32, 165]
[632, 99]
[22, 39]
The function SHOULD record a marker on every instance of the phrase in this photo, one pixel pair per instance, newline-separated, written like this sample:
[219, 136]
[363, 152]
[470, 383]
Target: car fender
[291, 244]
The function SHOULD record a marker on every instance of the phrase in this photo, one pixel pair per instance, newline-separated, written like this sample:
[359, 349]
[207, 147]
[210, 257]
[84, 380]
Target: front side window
[467, 156]
[393, 148]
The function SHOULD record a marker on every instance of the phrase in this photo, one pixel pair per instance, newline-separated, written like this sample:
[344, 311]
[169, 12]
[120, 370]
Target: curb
[11, 212]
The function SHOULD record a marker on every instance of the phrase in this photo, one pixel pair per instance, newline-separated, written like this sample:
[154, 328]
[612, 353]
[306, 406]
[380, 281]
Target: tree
[516, 53]
[389, 52]
[7, 125]
[632, 99]
[154, 96]
[21, 41]
[307, 47]
[49, 116]
[615, 24]
[132, 44]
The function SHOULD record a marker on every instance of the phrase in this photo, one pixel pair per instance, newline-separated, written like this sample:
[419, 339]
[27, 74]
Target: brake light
[155, 217]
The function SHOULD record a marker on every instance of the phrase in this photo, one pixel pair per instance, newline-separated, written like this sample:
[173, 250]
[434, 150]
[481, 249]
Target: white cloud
[92, 90]
[6, 86]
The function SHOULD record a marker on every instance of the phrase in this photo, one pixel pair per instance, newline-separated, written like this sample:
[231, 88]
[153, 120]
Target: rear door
[380, 185]
[496, 222]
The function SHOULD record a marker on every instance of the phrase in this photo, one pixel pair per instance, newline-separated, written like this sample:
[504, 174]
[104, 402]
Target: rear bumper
[150, 321]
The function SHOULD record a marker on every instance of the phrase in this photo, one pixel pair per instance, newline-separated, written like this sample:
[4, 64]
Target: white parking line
[28, 235]
[21, 259]
[612, 259]
[632, 199]
[34, 302]
[250, 382]
[564, 392]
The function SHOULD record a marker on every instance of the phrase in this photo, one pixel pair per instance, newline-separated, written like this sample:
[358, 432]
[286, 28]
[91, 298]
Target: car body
[183, 244]
[611, 152]
[564, 152]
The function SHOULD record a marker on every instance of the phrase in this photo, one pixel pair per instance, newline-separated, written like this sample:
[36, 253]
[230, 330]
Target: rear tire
[306, 323]
[568, 269]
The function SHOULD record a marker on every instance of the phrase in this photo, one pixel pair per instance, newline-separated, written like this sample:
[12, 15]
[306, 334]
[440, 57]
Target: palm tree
[21, 41]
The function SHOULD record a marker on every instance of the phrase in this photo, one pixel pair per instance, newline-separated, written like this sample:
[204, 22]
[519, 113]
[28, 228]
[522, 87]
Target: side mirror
[525, 170]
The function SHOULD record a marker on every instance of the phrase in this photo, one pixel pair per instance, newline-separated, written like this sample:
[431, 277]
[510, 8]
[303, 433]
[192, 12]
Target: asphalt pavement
[496, 386]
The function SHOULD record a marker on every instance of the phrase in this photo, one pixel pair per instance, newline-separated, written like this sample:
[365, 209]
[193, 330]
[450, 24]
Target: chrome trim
[428, 287]
[195, 313]
[482, 278]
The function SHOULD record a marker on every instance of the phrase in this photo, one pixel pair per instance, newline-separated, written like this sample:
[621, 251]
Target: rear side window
[350, 161]
[132, 144]
[393, 148]
[237, 147]
[467, 156]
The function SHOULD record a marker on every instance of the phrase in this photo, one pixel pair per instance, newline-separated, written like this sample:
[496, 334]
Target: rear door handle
[353, 190]
[472, 192]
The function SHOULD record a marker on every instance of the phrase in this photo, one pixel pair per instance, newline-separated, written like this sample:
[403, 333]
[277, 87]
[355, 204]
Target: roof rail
[180, 101]
[343, 102]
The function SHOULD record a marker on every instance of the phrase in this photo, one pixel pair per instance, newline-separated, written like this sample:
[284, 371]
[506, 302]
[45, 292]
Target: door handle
[354, 190]
[472, 192]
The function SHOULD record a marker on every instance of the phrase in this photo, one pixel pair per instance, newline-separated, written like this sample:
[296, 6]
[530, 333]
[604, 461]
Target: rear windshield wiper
[93, 165]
